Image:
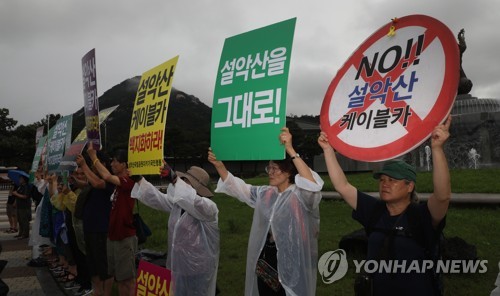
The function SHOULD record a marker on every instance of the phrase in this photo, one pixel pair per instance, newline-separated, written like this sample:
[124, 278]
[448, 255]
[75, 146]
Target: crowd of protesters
[84, 231]
[82, 227]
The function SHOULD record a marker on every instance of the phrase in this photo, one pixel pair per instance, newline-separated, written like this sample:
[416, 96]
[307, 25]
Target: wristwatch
[295, 156]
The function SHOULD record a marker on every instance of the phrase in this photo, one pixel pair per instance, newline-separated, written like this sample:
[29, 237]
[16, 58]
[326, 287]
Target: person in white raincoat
[285, 223]
[193, 231]
[36, 239]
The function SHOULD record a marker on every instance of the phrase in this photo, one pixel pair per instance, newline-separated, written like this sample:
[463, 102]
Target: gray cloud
[42, 43]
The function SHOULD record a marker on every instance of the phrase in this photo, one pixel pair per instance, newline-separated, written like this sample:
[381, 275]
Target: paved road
[22, 279]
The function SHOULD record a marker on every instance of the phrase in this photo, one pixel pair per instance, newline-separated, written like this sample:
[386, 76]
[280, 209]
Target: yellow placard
[103, 114]
[147, 126]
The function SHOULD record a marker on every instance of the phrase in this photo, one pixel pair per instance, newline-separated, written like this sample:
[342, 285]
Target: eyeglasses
[272, 169]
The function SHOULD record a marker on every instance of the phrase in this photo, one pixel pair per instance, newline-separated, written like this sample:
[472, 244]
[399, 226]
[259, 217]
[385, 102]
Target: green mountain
[187, 132]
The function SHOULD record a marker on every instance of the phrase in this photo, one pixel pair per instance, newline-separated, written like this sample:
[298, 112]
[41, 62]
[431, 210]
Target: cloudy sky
[42, 43]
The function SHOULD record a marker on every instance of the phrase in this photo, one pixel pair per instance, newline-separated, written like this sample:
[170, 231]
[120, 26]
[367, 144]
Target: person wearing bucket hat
[286, 218]
[398, 228]
[193, 227]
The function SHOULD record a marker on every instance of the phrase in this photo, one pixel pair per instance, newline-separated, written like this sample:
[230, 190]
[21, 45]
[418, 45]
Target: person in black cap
[399, 228]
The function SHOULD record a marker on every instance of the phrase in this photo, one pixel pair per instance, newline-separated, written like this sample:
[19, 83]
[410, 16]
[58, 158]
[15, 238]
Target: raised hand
[323, 141]
[441, 133]
[91, 151]
[285, 137]
[219, 165]
[80, 161]
[213, 159]
[167, 173]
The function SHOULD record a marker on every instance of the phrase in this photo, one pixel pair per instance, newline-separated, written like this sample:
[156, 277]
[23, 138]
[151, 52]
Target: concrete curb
[456, 198]
[22, 279]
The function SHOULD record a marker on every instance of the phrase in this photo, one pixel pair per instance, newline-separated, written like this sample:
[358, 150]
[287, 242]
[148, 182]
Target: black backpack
[35, 195]
[433, 248]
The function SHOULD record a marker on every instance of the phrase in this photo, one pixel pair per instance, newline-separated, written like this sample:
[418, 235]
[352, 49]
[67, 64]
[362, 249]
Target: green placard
[42, 141]
[59, 139]
[249, 107]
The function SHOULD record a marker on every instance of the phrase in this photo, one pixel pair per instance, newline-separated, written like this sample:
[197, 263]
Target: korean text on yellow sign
[147, 126]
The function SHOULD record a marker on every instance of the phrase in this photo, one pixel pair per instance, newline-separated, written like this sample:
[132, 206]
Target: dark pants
[83, 277]
[269, 254]
[23, 218]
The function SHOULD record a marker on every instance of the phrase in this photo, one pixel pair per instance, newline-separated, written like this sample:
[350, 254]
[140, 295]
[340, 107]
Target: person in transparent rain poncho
[285, 226]
[193, 231]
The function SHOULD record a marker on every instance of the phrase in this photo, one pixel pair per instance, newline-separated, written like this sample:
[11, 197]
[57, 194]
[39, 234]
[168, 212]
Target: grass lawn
[478, 225]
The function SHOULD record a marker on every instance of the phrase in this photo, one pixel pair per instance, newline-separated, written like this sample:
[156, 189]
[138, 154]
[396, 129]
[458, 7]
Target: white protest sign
[393, 90]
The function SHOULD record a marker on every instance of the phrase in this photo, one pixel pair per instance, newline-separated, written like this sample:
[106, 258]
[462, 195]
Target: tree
[6, 123]
[17, 144]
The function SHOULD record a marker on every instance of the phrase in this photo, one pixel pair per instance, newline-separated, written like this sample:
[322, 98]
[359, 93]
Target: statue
[465, 84]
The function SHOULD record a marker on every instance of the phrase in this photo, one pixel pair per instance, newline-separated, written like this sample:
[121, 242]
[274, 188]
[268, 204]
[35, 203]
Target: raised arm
[219, 165]
[337, 176]
[229, 184]
[303, 169]
[77, 180]
[199, 207]
[93, 179]
[52, 185]
[151, 196]
[439, 200]
[100, 168]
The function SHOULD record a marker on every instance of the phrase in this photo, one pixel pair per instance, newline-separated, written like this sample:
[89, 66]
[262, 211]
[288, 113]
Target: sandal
[60, 274]
[69, 277]
[53, 267]
[52, 260]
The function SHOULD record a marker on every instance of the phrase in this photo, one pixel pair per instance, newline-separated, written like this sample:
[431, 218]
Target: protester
[387, 241]
[46, 223]
[11, 210]
[94, 209]
[23, 206]
[122, 242]
[77, 181]
[193, 231]
[285, 227]
[61, 197]
[39, 243]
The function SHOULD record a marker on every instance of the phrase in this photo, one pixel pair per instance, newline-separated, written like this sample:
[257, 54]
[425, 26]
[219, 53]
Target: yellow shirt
[63, 201]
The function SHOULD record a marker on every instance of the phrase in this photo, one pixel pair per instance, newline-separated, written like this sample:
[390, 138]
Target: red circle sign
[393, 90]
